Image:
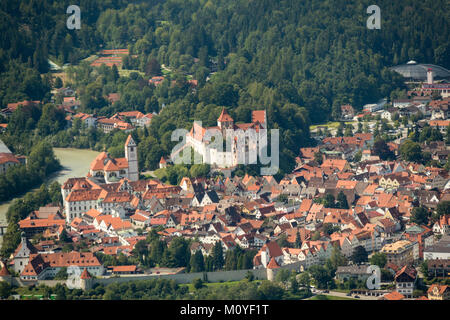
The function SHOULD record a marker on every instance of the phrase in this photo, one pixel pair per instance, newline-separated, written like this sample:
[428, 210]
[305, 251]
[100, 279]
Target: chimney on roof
[430, 76]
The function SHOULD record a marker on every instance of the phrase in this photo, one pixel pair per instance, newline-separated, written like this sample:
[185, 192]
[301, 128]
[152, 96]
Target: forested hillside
[300, 60]
[316, 54]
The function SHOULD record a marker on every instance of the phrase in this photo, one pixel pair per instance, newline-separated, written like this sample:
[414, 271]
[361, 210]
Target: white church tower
[131, 156]
[430, 76]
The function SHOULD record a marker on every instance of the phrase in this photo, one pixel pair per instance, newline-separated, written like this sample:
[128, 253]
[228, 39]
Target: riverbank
[74, 162]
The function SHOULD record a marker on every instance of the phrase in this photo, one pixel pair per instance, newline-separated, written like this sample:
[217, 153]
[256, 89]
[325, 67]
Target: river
[75, 163]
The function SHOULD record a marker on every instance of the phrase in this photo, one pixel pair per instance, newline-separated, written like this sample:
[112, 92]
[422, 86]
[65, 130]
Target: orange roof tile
[224, 116]
[85, 275]
[394, 295]
[272, 264]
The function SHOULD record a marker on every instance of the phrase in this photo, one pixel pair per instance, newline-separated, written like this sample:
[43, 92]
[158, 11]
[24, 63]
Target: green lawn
[215, 284]
[28, 293]
[330, 125]
[91, 58]
[160, 174]
[126, 73]
[325, 297]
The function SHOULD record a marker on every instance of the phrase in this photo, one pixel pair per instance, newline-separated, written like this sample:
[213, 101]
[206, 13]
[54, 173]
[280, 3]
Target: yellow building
[399, 253]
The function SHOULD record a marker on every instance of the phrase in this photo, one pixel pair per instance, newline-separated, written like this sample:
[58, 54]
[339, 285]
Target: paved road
[343, 295]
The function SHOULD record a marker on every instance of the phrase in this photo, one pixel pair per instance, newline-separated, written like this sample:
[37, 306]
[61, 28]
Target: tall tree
[153, 68]
[359, 255]
[298, 240]
[379, 259]
[381, 149]
[411, 151]
[217, 256]
[179, 250]
[342, 200]
[197, 262]
[419, 215]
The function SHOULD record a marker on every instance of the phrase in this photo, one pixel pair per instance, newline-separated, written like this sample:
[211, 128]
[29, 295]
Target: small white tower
[131, 156]
[430, 76]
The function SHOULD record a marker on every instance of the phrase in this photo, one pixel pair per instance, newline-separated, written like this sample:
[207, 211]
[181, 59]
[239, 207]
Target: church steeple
[131, 156]
[225, 121]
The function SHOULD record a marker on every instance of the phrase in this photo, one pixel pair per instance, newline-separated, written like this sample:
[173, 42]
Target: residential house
[22, 254]
[399, 252]
[438, 292]
[439, 250]
[266, 253]
[347, 112]
[405, 280]
[438, 267]
[442, 226]
[357, 272]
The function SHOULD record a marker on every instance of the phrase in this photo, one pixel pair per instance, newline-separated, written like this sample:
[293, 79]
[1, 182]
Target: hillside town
[343, 197]
[224, 150]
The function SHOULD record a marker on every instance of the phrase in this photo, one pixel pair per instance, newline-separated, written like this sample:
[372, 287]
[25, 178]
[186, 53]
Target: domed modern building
[414, 71]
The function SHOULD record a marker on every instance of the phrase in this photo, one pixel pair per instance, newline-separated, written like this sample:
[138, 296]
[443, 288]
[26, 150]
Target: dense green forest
[299, 60]
[40, 163]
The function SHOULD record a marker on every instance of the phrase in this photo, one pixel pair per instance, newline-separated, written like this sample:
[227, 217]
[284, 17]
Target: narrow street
[341, 294]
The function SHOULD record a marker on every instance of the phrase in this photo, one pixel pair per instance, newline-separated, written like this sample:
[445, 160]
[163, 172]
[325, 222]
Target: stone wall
[183, 278]
[50, 283]
[297, 266]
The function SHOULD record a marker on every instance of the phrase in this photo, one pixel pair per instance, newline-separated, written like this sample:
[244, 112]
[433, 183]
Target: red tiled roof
[8, 157]
[442, 288]
[41, 223]
[274, 249]
[439, 123]
[4, 271]
[259, 115]
[224, 116]
[129, 140]
[131, 268]
[93, 213]
[85, 275]
[84, 195]
[39, 262]
[394, 295]
[272, 264]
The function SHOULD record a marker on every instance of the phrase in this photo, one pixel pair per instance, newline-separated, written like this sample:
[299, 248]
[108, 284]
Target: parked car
[326, 291]
[357, 297]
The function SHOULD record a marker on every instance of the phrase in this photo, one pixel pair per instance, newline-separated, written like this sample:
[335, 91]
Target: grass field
[215, 284]
[126, 73]
[330, 125]
[91, 58]
[24, 291]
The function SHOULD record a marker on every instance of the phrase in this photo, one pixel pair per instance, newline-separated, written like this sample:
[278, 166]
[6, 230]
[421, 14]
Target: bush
[198, 283]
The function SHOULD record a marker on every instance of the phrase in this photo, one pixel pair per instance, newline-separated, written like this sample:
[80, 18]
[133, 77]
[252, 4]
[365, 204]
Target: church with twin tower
[115, 169]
